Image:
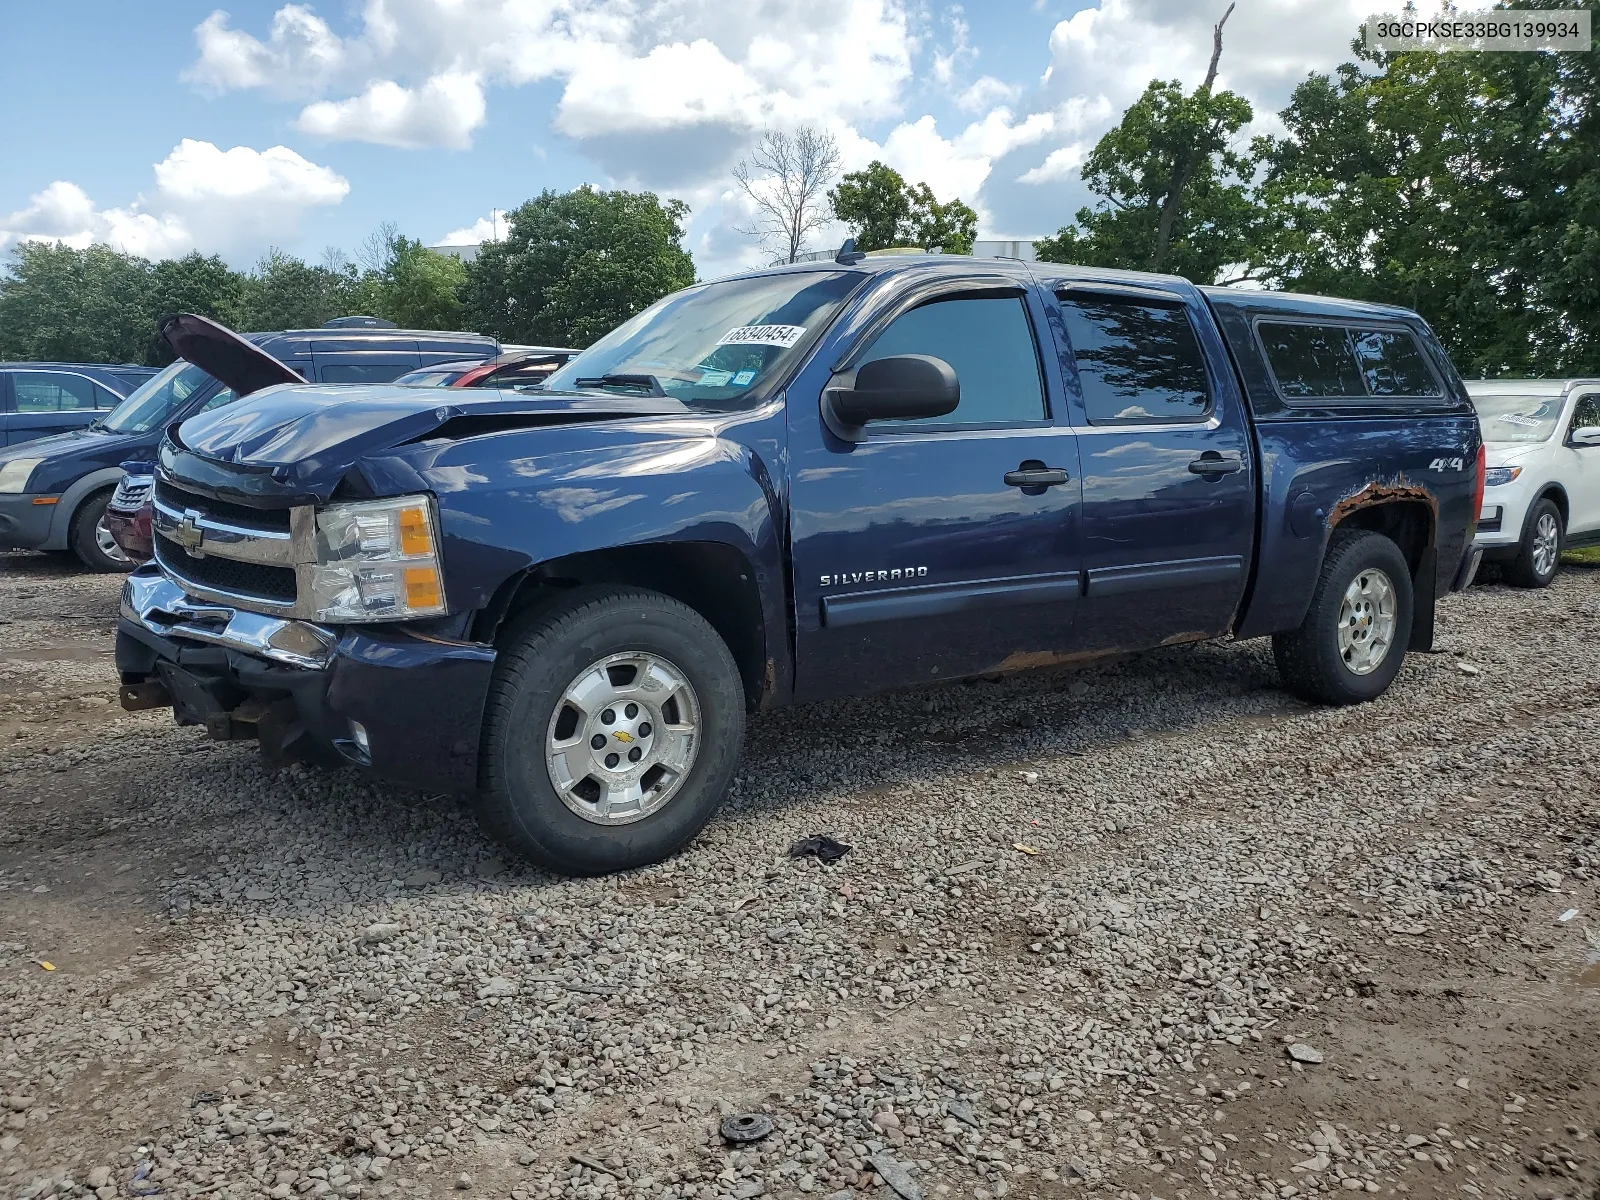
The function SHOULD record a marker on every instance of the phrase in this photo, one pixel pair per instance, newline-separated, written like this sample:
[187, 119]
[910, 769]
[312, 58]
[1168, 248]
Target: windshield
[715, 346]
[1518, 418]
[153, 404]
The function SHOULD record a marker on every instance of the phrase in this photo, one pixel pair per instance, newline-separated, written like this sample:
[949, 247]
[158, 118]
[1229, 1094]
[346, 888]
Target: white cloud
[1061, 163]
[484, 229]
[204, 197]
[442, 112]
[985, 91]
[301, 53]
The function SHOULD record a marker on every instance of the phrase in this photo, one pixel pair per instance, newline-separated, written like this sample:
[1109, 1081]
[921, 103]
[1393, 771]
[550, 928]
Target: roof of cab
[1302, 303]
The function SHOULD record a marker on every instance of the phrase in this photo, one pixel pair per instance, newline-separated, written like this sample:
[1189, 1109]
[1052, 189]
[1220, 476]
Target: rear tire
[1363, 598]
[91, 541]
[569, 675]
[1539, 554]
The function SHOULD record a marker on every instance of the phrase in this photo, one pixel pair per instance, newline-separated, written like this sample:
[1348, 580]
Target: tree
[882, 210]
[63, 304]
[1174, 188]
[952, 226]
[285, 293]
[574, 265]
[875, 204]
[785, 177]
[420, 288]
[194, 283]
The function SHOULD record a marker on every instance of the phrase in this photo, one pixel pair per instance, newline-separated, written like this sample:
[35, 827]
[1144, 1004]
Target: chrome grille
[232, 553]
[132, 493]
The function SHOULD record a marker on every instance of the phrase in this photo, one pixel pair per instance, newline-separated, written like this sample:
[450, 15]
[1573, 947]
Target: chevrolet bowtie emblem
[622, 737]
[189, 535]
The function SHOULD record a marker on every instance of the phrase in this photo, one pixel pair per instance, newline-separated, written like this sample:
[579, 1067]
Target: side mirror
[906, 387]
[1585, 435]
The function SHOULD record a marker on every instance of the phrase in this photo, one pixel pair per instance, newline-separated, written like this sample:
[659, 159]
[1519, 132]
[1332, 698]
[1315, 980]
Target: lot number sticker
[763, 335]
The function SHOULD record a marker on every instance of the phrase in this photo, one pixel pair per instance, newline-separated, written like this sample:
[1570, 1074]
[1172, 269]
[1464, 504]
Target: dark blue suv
[41, 398]
[53, 491]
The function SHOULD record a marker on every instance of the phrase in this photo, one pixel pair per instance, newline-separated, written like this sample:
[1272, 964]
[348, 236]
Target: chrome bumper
[151, 600]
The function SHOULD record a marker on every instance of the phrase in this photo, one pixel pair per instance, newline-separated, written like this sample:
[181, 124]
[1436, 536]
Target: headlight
[1495, 476]
[377, 561]
[14, 475]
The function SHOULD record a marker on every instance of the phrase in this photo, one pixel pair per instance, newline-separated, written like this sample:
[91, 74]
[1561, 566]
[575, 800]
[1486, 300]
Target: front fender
[67, 507]
[509, 502]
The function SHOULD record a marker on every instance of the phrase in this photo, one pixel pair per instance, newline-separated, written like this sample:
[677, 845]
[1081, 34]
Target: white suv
[1542, 487]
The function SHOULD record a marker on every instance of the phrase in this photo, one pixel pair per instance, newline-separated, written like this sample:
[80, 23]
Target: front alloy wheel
[623, 739]
[613, 725]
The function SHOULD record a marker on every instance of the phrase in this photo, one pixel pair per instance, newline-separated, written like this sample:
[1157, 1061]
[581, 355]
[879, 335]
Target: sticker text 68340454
[763, 335]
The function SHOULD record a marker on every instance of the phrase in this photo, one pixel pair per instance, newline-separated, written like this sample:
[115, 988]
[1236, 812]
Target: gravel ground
[1154, 929]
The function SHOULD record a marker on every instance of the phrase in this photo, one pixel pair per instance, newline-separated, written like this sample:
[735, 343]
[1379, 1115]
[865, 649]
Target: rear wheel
[1353, 640]
[91, 538]
[1539, 556]
[614, 723]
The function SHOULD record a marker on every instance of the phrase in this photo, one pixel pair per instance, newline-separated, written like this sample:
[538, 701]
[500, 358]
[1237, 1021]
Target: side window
[1139, 361]
[1392, 364]
[52, 391]
[104, 397]
[1311, 360]
[988, 340]
[365, 372]
[1586, 411]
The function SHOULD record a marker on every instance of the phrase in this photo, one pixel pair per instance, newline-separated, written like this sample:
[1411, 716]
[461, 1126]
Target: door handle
[1036, 477]
[1212, 463]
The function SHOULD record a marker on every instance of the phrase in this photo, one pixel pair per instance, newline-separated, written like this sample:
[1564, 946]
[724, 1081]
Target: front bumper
[408, 706]
[25, 524]
[131, 531]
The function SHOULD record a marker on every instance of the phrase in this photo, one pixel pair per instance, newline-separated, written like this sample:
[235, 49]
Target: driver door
[1581, 470]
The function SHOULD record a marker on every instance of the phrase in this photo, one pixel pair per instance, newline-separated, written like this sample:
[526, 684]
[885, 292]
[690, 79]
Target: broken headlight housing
[377, 560]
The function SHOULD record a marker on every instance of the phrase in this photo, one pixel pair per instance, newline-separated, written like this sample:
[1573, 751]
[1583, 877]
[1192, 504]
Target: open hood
[224, 355]
[307, 437]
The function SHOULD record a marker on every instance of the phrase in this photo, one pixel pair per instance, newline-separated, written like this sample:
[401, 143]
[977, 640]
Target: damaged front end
[403, 703]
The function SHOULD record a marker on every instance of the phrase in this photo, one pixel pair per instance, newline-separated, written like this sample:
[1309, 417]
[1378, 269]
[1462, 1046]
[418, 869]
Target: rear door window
[1139, 361]
[988, 341]
[368, 370]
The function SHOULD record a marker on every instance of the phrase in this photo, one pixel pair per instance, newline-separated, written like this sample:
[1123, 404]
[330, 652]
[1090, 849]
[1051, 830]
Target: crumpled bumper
[405, 704]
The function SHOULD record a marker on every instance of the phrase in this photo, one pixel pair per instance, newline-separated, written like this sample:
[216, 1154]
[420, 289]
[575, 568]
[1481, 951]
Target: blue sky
[165, 127]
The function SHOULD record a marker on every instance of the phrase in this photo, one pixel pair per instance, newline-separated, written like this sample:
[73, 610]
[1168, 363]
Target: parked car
[38, 399]
[129, 512]
[1542, 485]
[54, 491]
[803, 482]
[522, 366]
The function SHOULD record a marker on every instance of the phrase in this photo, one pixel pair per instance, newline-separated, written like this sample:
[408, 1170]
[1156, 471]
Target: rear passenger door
[1169, 487]
[47, 402]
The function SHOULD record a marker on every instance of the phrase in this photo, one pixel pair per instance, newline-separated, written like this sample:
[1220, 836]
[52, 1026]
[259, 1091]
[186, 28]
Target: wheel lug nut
[609, 717]
[612, 760]
[644, 729]
[631, 711]
[598, 741]
[635, 754]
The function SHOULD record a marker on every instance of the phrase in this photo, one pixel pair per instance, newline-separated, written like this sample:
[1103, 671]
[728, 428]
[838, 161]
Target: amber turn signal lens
[422, 587]
[415, 536]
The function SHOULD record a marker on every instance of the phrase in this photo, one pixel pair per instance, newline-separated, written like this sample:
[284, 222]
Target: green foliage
[58, 303]
[874, 203]
[883, 210]
[577, 264]
[952, 226]
[421, 288]
[1166, 139]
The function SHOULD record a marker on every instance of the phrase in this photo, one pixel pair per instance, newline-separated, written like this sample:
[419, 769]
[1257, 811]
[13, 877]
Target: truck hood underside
[307, 437]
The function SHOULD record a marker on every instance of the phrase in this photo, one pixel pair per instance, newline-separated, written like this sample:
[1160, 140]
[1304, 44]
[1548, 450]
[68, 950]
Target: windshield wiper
[650, 384]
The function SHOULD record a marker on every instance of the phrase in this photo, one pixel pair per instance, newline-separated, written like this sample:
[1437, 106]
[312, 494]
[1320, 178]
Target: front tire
[1539, 554]
[91, 540]
[614, 723]
[1353, 640]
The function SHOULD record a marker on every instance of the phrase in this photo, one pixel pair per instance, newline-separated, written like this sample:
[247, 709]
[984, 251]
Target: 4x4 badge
[189, 535]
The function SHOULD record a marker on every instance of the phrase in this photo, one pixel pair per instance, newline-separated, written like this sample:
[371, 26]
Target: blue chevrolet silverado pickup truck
[797, 483]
